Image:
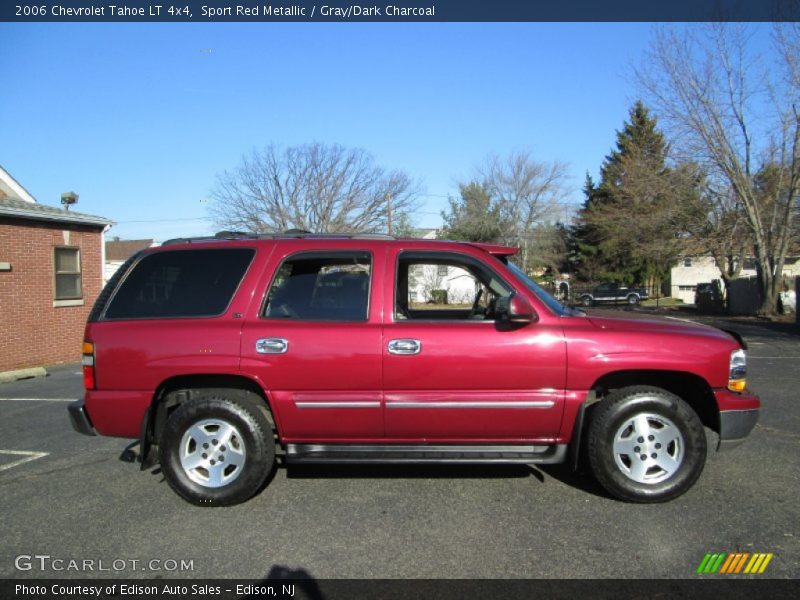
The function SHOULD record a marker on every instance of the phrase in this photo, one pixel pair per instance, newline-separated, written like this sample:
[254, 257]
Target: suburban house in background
[429, 282]
[692, 270]
[51, 271]
[118, 251]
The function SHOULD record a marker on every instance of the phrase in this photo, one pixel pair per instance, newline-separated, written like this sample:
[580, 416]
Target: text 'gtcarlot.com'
[46, 562]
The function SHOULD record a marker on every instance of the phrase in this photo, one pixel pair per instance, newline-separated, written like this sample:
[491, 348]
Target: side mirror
[514, 309]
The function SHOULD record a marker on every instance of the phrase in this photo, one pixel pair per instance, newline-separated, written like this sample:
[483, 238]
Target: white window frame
[72, 301]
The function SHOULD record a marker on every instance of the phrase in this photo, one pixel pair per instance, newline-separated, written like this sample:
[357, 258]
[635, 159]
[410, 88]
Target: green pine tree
[474, 216]
[630, 226]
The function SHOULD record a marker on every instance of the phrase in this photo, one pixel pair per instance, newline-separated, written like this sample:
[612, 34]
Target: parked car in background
[708, 297]
[611, 292]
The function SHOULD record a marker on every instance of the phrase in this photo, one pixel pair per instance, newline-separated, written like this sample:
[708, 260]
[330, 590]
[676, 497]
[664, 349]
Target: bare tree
[547, 248]
[520, 195]
[738, 116]
[723, 233]
[315, 187]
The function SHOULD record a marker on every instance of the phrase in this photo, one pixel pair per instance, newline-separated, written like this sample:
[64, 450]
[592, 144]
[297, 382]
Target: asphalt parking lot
[70, 497]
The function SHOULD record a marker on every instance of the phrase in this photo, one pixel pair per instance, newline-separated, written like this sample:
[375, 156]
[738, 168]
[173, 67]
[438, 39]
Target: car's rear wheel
[646, 444]
[217, 448]
[633, 299]
[587, 300]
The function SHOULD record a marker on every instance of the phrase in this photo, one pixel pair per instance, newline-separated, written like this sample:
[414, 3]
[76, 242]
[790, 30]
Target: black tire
[615, 445]
[587, 300]
[250, 453]
[633, 299]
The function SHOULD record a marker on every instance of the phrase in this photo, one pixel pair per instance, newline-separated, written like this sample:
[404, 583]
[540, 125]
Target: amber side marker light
[88, 365]
[738, 385]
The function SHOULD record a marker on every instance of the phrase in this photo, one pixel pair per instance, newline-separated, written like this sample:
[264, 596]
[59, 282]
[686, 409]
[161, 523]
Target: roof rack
[289, 234]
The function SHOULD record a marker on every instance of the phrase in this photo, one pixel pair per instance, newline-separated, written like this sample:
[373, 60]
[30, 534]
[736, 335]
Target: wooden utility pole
[389, 213]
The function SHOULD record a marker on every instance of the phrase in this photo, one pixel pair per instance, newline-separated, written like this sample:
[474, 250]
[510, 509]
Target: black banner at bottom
[389, 589]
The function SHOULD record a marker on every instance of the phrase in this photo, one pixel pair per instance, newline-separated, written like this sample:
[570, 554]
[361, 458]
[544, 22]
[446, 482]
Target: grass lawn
[663, 302]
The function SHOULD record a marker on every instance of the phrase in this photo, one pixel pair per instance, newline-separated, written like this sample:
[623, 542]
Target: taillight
[88, 365]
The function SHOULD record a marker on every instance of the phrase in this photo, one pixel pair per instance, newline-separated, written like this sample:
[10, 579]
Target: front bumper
[80, 418]
[735, 426]
[738, 414]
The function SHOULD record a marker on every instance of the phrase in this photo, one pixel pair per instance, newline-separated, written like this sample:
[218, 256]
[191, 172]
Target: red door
[460, 378]
[315, 344]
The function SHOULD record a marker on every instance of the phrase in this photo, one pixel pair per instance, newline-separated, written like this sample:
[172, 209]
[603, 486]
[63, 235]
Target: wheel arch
[172, 392]
[691, 388]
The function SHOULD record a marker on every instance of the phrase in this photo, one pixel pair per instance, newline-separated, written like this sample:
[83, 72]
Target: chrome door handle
[404, 346]
[272, 346]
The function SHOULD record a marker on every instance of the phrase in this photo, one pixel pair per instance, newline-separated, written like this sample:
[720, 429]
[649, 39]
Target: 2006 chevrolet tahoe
[218, 353]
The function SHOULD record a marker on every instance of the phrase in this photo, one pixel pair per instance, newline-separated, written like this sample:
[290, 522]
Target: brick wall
[32, 331]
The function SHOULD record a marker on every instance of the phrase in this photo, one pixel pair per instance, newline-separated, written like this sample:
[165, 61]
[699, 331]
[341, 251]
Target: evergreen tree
[475, 216]
[631, 225]
[583, 246]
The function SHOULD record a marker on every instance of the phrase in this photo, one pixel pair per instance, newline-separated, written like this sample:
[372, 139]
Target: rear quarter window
[180, 283]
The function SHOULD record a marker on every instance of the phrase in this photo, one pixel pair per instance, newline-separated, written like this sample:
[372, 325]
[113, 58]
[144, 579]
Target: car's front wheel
[646, 444]
[217, 449]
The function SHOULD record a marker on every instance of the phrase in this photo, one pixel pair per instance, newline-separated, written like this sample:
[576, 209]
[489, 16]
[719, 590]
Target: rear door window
[183, 283]
[321, 287]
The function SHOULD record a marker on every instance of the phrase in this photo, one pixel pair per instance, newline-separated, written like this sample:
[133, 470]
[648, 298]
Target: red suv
[219, 353]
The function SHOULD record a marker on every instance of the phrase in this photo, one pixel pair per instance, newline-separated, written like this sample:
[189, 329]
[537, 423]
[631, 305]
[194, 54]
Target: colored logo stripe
[711, 563]
[734, 563]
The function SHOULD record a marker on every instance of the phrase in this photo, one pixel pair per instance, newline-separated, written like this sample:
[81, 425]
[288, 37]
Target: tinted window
[183, 283]
[321, 287]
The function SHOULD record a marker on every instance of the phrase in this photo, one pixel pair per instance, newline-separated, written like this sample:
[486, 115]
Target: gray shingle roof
[40, 212]
[124, 249]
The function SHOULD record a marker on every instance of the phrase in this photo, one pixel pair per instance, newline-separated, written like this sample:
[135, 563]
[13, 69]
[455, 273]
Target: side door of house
[314, 342]
[451, 373]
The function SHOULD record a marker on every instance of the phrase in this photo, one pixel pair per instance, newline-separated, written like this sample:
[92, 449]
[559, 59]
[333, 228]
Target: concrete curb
[9, 376]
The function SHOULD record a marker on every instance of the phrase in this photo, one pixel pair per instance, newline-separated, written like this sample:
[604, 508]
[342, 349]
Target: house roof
[22, 209]
[12, 189]
[425, 233]
[123, 249]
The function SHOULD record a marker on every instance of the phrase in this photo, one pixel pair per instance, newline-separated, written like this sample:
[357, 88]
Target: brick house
[51, 271]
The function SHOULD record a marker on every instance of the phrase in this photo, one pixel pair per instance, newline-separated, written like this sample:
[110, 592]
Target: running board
[417, 454]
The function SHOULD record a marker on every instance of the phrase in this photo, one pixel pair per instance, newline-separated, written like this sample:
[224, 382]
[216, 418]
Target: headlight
[738, 371]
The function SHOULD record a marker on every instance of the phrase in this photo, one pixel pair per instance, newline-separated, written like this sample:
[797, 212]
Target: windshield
[544, 296]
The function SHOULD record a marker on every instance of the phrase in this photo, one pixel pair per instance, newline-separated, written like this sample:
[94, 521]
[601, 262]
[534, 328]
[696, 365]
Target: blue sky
[138, 119]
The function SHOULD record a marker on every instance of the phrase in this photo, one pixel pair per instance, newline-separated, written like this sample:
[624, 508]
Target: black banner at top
[397, 10]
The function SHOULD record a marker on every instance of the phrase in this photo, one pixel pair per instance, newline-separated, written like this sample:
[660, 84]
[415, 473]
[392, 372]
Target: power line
[165, 220]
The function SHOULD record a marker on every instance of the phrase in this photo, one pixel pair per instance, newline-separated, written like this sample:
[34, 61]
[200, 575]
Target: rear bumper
[117, 414]
[80, 418]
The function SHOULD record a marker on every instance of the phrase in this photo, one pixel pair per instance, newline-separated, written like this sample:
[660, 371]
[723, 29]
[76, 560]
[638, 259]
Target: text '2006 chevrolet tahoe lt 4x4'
[219, 353]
